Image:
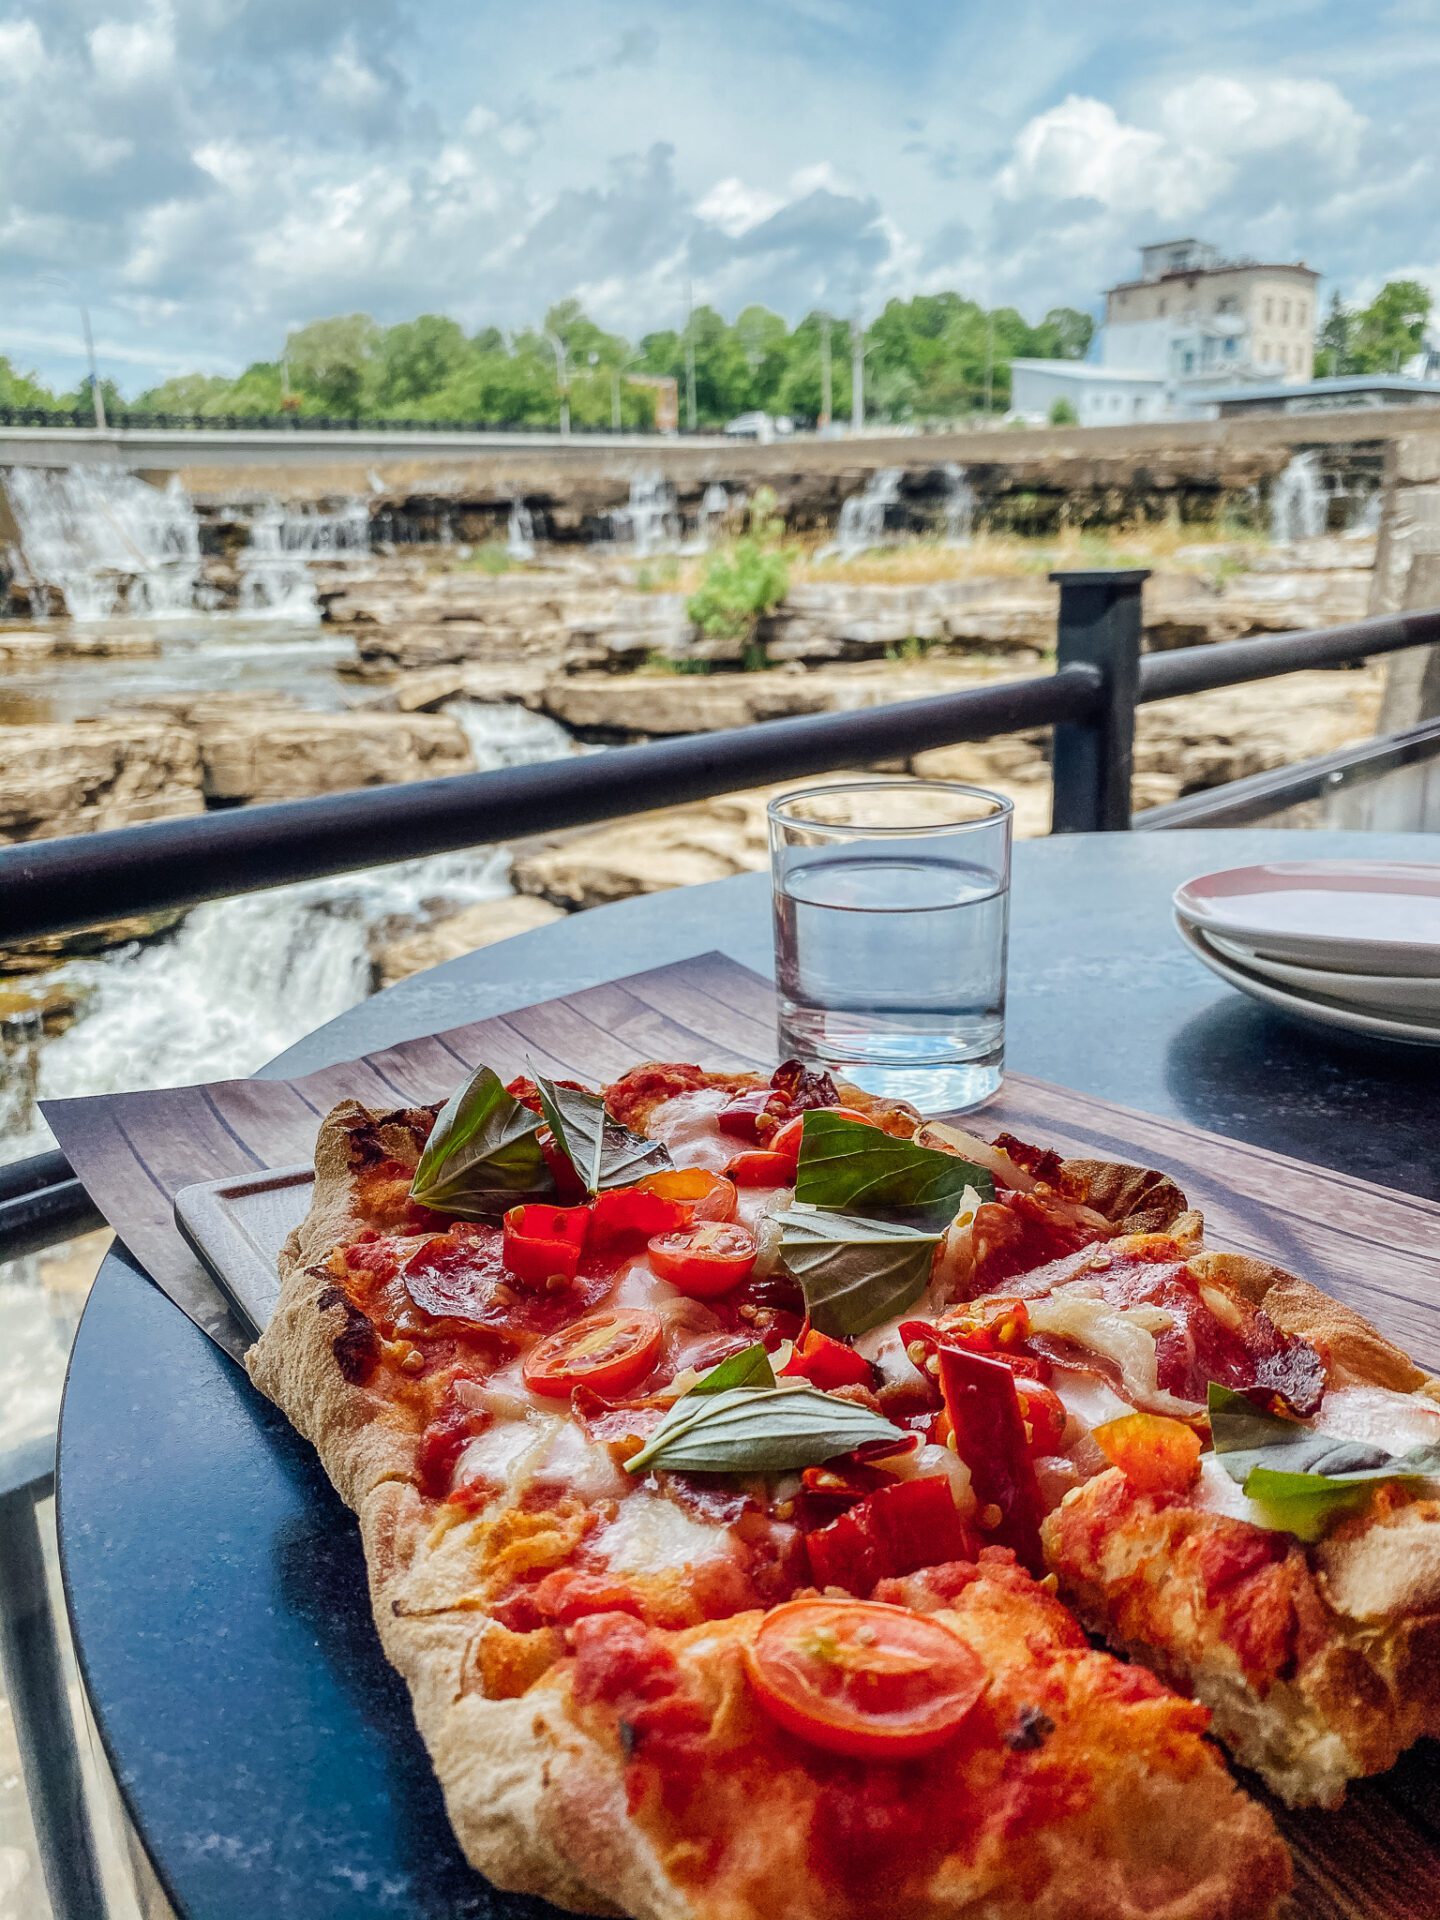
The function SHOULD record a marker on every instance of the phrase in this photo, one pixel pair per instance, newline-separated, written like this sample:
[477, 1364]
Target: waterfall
[862, 517]
[959, 506]
[649, 522]
[520, 532]
[285, 542]
[504, 734]
[1298, 500]
[106, 541]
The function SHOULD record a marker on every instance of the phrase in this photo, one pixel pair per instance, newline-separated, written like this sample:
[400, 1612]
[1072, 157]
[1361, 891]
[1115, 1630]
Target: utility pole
[562, 380]
[989, 365]
[857, 377]
[825, 394]
[690, 355]
[97, 398]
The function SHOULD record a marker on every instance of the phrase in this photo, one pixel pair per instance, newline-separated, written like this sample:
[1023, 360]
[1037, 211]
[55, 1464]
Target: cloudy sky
[212, 172]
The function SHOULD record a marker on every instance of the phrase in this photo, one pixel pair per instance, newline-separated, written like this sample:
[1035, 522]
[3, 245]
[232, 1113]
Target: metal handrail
[52, 886]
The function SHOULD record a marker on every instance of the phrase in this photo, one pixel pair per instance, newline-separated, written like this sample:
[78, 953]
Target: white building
[1098, 396]
[1190, 324]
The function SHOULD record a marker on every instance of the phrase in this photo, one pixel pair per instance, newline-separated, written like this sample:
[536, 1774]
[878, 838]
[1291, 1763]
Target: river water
[238, 980]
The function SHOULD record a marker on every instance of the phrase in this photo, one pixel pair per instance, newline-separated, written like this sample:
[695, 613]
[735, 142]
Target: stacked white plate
[1350, 943]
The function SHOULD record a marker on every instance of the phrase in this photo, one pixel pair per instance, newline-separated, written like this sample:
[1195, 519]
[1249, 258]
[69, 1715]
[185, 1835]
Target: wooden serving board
[1378, 1858]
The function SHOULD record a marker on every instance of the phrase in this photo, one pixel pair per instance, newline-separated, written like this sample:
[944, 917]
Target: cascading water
[1299, 504]
[285, 542]
[649, 522]
[958, 506]
[504, 734]
[107, 542]
[520, 532]
[711, 517]
[862, 517]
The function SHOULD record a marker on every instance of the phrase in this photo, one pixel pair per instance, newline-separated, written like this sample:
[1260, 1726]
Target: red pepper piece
[826, 1363]
[543, 1241]
[898, 1529]
[752, 1115]
[622, 1212]
[983, 1408]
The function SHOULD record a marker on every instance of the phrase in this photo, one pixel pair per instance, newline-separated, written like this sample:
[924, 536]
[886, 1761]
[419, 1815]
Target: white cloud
[22, 52]
[1082, 150]
[1239, 118]
[128, 54]
[348, 81]
[735, 208]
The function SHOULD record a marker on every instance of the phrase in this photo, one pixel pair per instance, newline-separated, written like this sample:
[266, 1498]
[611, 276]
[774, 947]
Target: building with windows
[1190, 324]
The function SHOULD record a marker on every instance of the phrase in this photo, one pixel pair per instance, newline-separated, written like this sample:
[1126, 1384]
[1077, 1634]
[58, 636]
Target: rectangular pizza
[744, 1465]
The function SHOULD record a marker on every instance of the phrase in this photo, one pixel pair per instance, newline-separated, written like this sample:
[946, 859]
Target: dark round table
[215, 1583]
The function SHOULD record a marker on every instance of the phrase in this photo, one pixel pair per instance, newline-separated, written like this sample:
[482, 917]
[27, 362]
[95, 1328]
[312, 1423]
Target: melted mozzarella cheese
[653, 1535]
[1381, 1416]
[539, 1449]
[687, 1125]
[1125, 1335]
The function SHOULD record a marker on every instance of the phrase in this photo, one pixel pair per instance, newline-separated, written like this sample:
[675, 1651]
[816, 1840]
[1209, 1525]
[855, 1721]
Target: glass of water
[892, 906]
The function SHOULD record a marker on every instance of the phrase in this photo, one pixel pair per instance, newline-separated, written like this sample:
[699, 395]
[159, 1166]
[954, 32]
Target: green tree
[332, 362]
[186, 393]
[1062, 413]
[414, 361]
[1333, 345]
[23, 389]
[1391, 330]
[1064, 334]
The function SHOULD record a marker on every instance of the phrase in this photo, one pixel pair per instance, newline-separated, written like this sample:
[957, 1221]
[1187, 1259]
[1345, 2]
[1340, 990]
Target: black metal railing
[131, 420]
[1100, 678]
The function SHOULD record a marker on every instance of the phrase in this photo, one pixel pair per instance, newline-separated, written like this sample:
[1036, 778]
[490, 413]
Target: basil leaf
[758, 1430]
[1281, 1461]
[749, 1368]
[482, 1155]
[602, 1152]
[849, 1166]
[855, 1272]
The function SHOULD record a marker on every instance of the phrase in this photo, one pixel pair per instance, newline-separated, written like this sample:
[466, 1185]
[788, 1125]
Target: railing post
[1099, 627]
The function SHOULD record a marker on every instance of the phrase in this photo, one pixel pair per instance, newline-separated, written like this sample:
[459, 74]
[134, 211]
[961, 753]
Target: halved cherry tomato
[788, 1140]
[825, 1362]
[709, 1196]
[861, 1678]
[761, 1169]
[609, 1352]
[1043, 1412]
[1154, 1452]
[542, 1242]
[707, 1259]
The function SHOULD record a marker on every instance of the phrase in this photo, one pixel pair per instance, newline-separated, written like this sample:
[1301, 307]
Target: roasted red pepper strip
[826, 1363]
[984, 1413]
[896, 1530]
[543, 1241]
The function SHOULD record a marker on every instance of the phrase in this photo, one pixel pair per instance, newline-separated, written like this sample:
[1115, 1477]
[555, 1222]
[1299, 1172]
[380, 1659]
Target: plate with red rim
[1353, 916]
[1307, 1006]
[1394, 995]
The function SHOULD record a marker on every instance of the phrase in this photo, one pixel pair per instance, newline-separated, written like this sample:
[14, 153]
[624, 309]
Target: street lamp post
[562, 380]
[857, 377]
[97, 399]
[615, 373]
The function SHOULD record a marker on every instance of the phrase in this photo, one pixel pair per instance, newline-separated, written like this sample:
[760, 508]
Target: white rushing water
[106, 541]
[520, 532]
[285, 542]
[1298, 500]
[650, 521]
[958, 506]
[110, 545]
[862, 517]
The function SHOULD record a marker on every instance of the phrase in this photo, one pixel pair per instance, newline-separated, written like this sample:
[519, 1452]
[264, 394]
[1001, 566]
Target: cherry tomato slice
[1043, 1412]
[761, 1169]
[1154, 1452]
[706, 1259]
[610, 1352]
[861, 1678]
[708, 1196]
[633, 1213]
